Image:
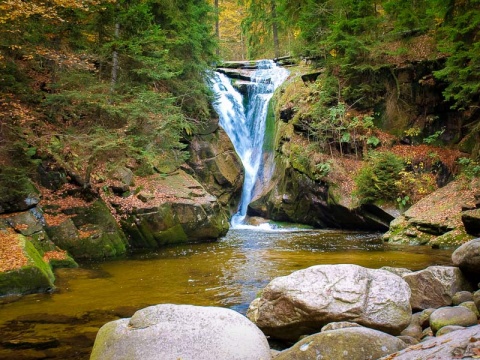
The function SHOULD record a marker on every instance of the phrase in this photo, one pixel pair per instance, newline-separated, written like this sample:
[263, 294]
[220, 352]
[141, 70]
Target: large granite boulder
[467, 258]
[460, 344]
[306, 300]
[435, 286]
[171, 332]
[354, 343]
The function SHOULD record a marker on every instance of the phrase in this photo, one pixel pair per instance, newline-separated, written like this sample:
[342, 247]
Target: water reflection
[227, 273]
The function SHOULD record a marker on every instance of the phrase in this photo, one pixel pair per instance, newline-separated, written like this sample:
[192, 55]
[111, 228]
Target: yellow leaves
[66, 60]
[15, 10]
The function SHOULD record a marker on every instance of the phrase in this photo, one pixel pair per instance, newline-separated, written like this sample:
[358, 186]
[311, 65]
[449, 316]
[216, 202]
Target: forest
[86, 81]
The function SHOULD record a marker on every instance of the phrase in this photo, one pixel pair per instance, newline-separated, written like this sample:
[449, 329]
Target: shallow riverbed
[226, 273]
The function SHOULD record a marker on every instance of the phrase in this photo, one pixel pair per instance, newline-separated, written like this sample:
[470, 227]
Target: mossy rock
[31, 224]
[68, 262]
[451, 239]
[91, 233]
[175, 223]
[17, 192]
[35, 276]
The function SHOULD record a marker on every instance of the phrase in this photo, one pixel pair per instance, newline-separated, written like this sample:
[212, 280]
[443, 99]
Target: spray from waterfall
[245, 122]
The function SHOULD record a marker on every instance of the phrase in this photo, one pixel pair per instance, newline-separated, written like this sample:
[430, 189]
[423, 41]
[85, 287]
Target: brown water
[227, 273]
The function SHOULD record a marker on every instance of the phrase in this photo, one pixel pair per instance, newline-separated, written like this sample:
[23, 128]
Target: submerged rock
[355, 343]
[306, 300]
[171, 332]
[460, 344]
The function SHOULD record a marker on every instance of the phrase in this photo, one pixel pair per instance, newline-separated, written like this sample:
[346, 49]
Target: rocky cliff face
[216, 165]
[60, 217]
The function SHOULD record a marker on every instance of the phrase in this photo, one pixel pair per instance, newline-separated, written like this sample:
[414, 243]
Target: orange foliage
[55, 255]
[11, 253]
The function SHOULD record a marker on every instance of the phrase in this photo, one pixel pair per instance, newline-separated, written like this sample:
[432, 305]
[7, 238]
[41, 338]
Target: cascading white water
[245, 124]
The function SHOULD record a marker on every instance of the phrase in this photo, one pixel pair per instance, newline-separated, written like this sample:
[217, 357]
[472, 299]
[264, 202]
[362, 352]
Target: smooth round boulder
[355, 343]
[476, 299]
[413, 330]
[460, 344]
[306, 300]
[471, 306]
[456, 315]
[467, 258]
[339, 325]
[461, 297]
[171, 332]
[448, 329]
[423, 318]
[408, 340]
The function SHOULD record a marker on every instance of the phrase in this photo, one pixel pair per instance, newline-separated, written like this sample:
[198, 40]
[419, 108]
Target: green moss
[64, 263]
[270, 130]
[92, 233]
[451, 239]
[99, 245]
[173, 235]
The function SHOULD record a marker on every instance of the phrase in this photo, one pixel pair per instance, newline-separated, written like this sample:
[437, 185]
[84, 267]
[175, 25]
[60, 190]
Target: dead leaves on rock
[11, 253]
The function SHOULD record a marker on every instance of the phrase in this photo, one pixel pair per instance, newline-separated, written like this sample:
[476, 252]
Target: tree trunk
[276, 46]
[217, 26]
[113, 82]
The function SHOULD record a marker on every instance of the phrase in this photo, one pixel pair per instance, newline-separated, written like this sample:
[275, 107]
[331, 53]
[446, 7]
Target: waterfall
[245, 122]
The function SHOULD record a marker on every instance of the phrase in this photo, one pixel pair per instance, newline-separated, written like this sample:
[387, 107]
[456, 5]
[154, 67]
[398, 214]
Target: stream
[227, 273]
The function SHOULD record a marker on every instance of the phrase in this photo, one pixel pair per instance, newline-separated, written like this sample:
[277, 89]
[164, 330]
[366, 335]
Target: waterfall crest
[244, 120]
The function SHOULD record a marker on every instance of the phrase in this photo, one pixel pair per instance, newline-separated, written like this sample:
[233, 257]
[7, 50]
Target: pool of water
[227, 273]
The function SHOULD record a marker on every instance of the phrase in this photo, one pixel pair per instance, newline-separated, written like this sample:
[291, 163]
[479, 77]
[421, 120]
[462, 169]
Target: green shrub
[377, 180]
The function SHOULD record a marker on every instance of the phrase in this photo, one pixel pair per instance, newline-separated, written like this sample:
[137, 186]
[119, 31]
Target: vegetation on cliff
[84, 84]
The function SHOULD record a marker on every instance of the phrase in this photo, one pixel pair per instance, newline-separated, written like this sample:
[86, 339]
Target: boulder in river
[306, 300]
[460, 344]
[435, 286]
[354, 343]
[467, 258]
[171, 332]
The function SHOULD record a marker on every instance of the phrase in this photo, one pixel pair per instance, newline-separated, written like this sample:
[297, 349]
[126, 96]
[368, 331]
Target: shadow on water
[227, 273]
